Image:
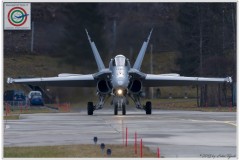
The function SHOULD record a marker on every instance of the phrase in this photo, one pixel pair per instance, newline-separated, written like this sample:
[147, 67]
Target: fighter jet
[120, 81]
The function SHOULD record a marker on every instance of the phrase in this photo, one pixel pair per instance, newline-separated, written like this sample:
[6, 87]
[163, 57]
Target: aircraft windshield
[36, 94]
[120, 60]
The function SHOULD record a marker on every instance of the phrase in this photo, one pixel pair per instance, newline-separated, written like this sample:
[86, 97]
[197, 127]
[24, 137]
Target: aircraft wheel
[148, 107]
[123, 109]
[90, 108]
[116, 110]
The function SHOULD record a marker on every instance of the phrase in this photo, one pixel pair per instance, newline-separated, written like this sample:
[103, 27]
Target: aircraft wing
[63, 80]
[152, 80]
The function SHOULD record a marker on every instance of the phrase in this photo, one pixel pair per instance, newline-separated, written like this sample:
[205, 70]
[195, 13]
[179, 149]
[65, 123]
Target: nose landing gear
[90, 108]
[119, 107]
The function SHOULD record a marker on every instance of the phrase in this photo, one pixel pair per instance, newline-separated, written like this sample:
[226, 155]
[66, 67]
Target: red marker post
[158, 152]
[7, 109]
[65, 107]
[122, 133]
[141, 151]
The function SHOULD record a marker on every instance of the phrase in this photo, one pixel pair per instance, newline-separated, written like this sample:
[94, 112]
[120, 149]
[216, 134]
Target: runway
[176, 133]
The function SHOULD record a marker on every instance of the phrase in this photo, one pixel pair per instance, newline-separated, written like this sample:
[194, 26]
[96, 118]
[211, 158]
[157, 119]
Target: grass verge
[14, 113]
[11, 117]
[84, 150]
[167, 104]
[187, 105]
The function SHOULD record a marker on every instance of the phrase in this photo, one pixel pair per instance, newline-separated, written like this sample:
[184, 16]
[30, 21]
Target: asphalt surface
[176, 133]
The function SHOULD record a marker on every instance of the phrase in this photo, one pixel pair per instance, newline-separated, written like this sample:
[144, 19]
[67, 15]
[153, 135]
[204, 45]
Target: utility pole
[32, 38]
[114, 34]
[151, 67]
[131, 54]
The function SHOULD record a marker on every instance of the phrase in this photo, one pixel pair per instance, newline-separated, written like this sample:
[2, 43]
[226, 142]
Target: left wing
[63, 80]
[152, 80]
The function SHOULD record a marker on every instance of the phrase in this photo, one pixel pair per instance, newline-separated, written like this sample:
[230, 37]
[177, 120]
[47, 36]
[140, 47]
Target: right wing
[63, 80]
[152, 80]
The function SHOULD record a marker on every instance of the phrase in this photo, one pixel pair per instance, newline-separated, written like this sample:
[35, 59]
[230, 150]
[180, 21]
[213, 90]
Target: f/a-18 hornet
[121, 81]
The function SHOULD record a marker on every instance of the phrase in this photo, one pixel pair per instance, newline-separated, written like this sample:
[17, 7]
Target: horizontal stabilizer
[96, 54]
[138, 62]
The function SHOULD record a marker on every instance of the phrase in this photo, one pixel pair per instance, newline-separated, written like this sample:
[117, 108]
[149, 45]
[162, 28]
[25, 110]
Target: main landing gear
[148, 107]
[90, 108]
[99, 105]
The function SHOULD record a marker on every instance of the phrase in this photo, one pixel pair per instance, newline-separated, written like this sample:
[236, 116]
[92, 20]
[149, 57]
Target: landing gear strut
[90, 108]
[123, 109]
[99, 105]
[115, 109]
[148, 107]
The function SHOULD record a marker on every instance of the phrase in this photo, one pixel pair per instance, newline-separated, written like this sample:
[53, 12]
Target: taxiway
[176, 133]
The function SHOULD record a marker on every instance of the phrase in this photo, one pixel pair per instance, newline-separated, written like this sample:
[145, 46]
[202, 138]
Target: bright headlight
[119, 91]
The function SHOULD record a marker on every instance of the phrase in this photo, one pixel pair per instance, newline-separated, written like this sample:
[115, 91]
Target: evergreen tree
[206, 43]
[75, 48]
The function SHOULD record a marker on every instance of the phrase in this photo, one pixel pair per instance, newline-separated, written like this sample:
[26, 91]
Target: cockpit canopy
[119, 60]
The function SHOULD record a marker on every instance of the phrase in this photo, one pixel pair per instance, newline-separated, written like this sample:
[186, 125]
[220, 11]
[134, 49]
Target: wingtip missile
[9, 80]
[229, 79]
[149, 35]
[89, 38]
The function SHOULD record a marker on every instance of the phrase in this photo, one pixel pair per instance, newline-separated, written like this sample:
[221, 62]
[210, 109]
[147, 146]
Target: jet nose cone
[120, 83]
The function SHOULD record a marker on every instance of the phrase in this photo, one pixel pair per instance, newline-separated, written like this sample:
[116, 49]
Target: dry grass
[166, 104]
[30, 111]
[11, 117]
[84, 150]
[14, 113]
[187, 105]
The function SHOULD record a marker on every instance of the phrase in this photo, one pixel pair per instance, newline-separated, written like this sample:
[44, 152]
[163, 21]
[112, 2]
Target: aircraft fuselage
[120, 77]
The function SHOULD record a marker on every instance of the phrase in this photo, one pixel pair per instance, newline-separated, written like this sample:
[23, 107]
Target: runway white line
[212, 121]
[7, 126]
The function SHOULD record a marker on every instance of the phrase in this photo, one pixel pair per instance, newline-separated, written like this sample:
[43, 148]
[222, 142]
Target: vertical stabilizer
[96, 54]
[138, 62]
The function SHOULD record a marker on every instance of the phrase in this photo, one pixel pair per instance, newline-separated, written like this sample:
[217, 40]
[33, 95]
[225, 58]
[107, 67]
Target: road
[176, 133]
